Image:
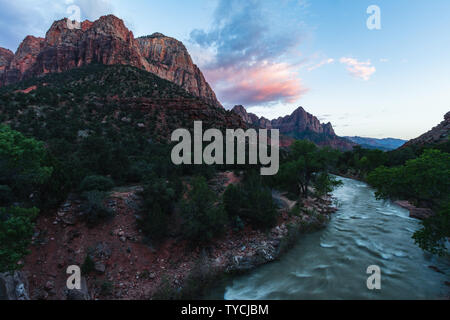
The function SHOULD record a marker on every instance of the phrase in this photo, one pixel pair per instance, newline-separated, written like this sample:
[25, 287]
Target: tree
[99, 183]
[303, 165]
[16, 229]
[204, 218]
[232, 199]
[325, 183]
[159, 197]
[424, 181]
[435, 230]
[22, 163]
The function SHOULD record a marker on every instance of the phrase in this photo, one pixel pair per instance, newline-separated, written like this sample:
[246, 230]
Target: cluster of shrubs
[205, 214]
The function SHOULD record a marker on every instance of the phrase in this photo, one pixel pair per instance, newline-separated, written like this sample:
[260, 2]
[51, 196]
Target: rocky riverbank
[124, 267]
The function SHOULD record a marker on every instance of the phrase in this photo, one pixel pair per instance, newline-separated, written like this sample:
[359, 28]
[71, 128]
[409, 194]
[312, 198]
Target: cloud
[259, 84]
[247, 52]
[320, 64]
[20, 18]
[358, 69]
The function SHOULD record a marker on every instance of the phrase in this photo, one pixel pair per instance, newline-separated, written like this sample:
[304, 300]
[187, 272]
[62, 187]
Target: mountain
[437, 135]
[386, 144]
[299, 125]
[107, 41]
[117, 101]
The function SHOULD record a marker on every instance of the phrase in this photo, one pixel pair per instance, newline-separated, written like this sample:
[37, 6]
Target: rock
[420, 213]
[100, 267]
[82, 294]
[102, 251]
[300, 124]
[169, 59]
[14, 286]
[417, 213]
[107, 41]
[49, 285]
[437, 135]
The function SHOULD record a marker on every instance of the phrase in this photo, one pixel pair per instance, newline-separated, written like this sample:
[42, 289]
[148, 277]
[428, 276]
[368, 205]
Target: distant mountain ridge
[386, 144]
[106, 41]
[299, 125]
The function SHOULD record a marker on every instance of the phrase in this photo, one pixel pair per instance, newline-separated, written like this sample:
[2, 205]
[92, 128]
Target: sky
[274, 56]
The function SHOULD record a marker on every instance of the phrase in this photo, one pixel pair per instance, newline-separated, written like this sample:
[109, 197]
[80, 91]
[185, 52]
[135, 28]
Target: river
[332, 263]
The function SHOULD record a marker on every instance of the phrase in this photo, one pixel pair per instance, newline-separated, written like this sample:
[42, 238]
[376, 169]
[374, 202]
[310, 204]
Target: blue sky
[273, 56]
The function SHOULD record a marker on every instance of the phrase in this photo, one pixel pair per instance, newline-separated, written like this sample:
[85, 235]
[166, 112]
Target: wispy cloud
[321, 63]
[359, 69]
[244, 49]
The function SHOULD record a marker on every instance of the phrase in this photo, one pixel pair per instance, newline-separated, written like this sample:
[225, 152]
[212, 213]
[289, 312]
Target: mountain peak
[298, 125]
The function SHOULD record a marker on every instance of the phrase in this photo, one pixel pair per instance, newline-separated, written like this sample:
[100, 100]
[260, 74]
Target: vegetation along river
[332, 263]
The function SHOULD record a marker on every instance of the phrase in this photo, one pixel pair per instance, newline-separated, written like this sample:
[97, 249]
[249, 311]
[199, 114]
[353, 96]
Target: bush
[251, 201]
[232, 200]
[99, 183]
[159, 197]
[203, 217]
[93, 208]
[16, 230]
[88, 265]
[6, 196]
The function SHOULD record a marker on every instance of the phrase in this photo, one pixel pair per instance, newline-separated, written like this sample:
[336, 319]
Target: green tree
[159, 197]
[424, 181]
[22, 163]
[324, 183]
[204, 217]
[16, 229]
[232, 199]
[303, 165]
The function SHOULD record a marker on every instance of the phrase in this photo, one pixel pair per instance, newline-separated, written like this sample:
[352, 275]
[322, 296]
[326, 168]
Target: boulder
[14, 286]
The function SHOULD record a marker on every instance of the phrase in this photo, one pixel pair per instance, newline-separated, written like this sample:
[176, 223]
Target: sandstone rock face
[169, 59]
[299, 125]
[6, 56]
[23, 60]
[106, 41]
[437, 135]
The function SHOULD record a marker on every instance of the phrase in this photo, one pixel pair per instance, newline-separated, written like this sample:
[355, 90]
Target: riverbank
[124, 267]
[331, 263]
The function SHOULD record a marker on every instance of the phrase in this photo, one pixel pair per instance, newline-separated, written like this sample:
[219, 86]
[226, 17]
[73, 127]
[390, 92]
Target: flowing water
[332, 263]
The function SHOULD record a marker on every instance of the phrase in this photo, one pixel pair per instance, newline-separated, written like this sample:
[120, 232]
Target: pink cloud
[359, 69]
[260, 83]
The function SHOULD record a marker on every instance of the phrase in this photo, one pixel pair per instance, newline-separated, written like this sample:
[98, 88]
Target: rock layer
[106, 41]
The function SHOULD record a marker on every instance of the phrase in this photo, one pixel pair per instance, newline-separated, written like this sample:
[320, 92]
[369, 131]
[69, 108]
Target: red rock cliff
[106, 41]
